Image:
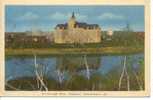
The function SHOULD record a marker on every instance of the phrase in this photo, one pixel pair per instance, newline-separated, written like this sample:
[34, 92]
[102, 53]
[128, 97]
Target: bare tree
[60, 76]
[40, 80]
[138, 80]
[87, 67]
[124, 71]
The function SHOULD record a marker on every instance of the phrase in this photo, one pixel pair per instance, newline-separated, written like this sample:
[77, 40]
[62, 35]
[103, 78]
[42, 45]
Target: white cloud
[28, 16]
[55, 16]
[110, 16]
[58, 16]
[81, 17]
[66, 16]
[112, 27]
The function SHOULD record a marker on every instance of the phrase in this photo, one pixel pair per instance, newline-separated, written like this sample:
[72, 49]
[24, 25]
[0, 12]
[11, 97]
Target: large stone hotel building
[77, 32]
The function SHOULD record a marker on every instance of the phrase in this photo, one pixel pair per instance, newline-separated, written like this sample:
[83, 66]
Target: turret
[72, 21]
[73, 16]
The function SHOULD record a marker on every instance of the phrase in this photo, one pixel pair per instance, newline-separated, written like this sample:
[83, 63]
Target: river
[62, 68]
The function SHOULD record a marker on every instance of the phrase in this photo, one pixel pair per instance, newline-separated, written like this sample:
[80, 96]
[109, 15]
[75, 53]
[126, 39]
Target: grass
[64, 51]
[97, 82]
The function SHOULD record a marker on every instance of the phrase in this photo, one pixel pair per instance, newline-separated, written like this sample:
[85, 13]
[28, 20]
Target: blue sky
[45, 18]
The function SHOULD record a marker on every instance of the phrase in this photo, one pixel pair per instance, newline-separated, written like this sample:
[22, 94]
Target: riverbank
[64, 51]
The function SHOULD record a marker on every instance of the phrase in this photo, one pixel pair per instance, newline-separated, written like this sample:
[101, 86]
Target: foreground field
[63, 51]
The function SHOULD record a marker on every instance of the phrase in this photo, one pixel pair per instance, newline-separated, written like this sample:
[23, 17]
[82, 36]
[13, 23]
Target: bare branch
[124, 71]
[87, 67]
[38, 76]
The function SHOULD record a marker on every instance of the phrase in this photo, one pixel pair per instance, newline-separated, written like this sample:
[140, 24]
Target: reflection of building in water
[77, 32]
[77, 63]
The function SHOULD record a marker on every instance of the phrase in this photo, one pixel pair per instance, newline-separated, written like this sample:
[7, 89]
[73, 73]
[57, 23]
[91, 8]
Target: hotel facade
[77, 32]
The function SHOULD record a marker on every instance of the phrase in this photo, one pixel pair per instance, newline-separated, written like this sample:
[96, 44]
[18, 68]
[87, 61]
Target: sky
[45, 18]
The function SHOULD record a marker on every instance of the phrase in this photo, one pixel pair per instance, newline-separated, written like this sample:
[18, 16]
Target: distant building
[110, 32]
[77, 32]
[109, 35]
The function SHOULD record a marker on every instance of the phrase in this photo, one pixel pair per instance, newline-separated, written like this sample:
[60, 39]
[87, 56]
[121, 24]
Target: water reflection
[71, 72]
[76, 64]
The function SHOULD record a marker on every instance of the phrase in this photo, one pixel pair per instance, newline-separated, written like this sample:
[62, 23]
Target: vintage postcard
[81, 48]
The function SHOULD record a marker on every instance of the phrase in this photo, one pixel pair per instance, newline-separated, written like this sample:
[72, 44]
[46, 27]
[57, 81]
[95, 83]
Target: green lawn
[62, 51]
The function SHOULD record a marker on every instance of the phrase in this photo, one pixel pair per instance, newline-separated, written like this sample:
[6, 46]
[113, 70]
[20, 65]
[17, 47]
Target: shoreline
[73, 51]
